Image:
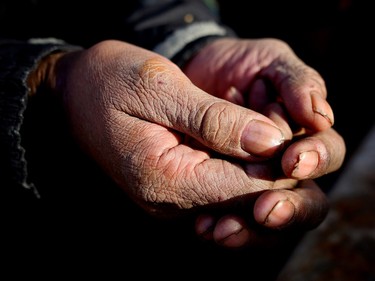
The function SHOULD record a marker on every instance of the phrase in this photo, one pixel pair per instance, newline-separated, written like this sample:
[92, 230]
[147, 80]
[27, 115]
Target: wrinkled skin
[266, 76]
[175, 148]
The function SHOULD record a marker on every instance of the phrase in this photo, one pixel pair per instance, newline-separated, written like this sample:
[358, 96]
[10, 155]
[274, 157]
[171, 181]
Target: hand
[283, 208]
[157, 135]
[256, 73]
[136, 114]
[265, 75]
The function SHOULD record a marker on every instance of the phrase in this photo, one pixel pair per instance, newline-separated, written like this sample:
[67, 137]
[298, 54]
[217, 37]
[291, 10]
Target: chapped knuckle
[218, 124]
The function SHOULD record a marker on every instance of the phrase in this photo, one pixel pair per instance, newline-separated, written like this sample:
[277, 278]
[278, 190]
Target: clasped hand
[208, 137]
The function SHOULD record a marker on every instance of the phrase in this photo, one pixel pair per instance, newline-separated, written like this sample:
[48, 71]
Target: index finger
[302, 90]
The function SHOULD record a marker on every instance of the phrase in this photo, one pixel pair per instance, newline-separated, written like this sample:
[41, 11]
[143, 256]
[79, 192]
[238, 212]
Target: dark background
[88, 228]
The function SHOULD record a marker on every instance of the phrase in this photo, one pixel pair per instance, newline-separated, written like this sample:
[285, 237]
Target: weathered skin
[174, 147]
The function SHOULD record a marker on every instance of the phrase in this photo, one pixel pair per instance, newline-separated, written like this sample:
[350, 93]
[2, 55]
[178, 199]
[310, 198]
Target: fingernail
[261, 139]
[280, 214]
[321, 107]
[230, 227]
[307, 163]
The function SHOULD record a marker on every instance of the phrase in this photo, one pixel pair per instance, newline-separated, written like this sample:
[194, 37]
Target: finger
[314, 156]
[305, 206]
[170, 99]
[234, 95]
[302, 90]
[168, 177]
[230, 231]
[259, 95]
[301, 209]
[276, 112]
[233, 232]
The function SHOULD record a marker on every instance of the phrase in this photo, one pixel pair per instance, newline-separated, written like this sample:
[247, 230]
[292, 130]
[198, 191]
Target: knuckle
[217, 126]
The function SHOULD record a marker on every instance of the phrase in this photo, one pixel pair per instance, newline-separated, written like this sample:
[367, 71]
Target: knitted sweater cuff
[17, 60]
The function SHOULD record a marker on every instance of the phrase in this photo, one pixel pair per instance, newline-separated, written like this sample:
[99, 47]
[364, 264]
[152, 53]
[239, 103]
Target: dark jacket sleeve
[17, 59]
[175, 29]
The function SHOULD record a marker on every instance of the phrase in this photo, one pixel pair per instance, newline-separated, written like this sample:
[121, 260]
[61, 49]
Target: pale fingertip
[306, 164]
[280, 215]
[274, 210]
[231, 233]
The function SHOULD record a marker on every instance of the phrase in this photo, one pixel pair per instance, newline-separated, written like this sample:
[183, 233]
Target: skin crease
[174, 148]
[154, 158]
[253, 74]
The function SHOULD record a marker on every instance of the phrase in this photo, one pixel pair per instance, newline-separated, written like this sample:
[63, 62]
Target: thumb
[175, 102]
